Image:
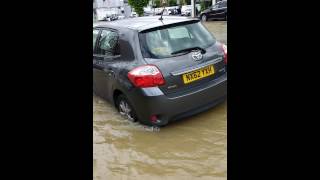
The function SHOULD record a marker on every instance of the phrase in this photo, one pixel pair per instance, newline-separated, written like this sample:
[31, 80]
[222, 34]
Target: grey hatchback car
[156, 71]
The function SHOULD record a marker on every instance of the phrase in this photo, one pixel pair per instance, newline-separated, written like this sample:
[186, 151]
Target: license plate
[198, 74]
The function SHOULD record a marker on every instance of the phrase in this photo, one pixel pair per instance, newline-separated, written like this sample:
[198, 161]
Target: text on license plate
[198, 74]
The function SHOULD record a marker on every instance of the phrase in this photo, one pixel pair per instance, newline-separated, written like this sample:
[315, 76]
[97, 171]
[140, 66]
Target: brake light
[153, 118]
[224, 48]
[146, 76]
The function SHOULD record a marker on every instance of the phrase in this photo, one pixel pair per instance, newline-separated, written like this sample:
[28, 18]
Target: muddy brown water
[193, 148]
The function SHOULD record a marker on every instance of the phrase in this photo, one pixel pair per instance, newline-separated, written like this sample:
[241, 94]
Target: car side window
[95, 35]
[215, 6]
[223, 4]
[108, 43]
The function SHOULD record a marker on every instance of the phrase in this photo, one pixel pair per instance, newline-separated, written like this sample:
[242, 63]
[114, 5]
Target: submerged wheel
[204, 17]
[125, 108]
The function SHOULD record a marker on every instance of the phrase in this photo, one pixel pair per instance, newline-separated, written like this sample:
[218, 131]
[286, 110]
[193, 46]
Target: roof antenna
[162, 13]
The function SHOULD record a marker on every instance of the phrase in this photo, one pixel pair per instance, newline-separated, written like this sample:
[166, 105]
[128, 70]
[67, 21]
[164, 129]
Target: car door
[95, 36]
[104, 56]
[212, 12]
[222, 10]
[217, 11]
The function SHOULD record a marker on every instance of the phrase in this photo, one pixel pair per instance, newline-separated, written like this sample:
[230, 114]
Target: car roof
[144, 23]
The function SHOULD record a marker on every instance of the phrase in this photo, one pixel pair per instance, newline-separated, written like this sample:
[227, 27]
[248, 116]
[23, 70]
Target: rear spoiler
[164, 26]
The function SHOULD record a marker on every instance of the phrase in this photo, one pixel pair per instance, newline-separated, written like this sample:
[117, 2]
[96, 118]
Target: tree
[138, 5]
[157, 3]
[186, 2]
[203, 5]
[172, 2]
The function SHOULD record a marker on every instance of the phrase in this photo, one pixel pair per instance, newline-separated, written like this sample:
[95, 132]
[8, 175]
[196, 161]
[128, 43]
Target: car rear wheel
[125, 108]
[204, 17]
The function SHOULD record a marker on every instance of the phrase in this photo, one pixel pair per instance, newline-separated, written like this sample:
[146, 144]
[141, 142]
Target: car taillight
[224, 48]
[146, 76]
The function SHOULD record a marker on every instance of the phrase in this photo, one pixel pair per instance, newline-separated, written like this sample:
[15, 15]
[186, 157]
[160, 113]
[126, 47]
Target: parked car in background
[185, 10]
[133, 14]
[114, 17]
[107, 18]
[158, 11]
[156, 71]
[218, 11]
[170, 10]
[121, 17]
[111, 17]
[148, 13]
[173, 11]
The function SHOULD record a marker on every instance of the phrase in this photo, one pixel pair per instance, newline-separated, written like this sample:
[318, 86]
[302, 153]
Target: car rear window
[178, 32]
[162, 42]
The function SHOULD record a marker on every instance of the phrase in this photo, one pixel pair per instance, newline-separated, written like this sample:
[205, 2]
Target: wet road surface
[193, 148]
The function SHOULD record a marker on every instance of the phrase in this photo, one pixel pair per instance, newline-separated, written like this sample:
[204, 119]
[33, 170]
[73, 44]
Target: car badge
[197, 55]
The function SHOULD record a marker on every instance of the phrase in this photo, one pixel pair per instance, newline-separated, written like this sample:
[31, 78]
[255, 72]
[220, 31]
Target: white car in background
[101, 13]
[121, 17]
[187, 12]
[157, 11]
[187, 9]
[165, 10]
[133, 14]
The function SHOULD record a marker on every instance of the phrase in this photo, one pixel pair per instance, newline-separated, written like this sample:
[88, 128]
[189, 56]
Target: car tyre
[204, 18]
[125, 108]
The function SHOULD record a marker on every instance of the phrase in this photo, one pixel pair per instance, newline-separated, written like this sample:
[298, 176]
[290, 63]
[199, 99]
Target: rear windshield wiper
[188, 50]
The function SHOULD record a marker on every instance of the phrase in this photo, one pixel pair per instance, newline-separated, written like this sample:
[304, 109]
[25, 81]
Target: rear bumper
[151, 101]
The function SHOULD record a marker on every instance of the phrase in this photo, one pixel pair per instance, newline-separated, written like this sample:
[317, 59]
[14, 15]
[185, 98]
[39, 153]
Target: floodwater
[193, 148]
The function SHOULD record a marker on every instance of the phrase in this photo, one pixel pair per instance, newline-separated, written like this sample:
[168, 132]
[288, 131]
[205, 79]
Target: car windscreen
[162, 43]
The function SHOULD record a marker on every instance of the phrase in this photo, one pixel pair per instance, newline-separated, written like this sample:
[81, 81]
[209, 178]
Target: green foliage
[138, 5]
[186, 2]
[205, 4]
[157, 3]
[172, 2]
[202, 5]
